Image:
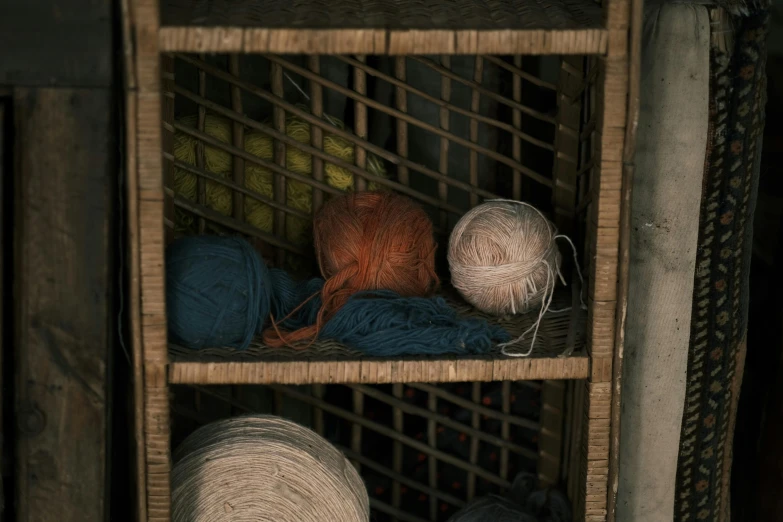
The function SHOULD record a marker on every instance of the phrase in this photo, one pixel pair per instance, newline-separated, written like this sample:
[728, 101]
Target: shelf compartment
[558, 354]
[423, 450]
[383, 27]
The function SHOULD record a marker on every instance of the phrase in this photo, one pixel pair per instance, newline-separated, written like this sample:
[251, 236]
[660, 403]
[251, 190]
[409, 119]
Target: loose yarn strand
[545, 304]
[578, 272]
[331, 119]
[554, 237]
[281, 335]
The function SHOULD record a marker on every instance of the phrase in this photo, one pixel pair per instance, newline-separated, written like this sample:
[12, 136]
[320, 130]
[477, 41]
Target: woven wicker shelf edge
[227, 39]
[369, 371]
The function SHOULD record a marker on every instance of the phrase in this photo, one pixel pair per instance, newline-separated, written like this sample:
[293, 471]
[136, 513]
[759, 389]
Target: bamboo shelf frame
[568, 28]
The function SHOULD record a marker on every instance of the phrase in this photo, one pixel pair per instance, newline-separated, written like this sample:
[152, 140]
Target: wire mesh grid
[448, 132]
[255, 144]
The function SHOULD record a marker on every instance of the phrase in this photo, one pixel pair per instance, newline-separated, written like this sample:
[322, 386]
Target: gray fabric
[671, 146]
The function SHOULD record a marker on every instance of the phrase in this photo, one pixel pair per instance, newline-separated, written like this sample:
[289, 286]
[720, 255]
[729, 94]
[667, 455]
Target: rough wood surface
[64, 283]
[4, 247]
[44, 43]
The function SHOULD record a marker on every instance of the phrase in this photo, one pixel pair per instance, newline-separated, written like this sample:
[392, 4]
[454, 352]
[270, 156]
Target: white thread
[331, 119]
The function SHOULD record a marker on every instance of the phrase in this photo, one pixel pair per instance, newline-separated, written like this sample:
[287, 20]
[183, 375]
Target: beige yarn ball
[264, 468]
[504, 258]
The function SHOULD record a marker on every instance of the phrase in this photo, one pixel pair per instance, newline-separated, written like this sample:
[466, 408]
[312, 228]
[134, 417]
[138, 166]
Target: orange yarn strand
[367, 241]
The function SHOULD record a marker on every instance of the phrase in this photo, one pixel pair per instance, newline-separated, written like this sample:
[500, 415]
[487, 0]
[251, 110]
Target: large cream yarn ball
[503, 257]
[261, 468]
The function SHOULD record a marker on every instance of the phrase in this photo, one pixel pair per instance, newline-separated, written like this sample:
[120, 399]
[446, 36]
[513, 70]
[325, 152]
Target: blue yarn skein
[217, 292]
[220, 293]
[384, 324]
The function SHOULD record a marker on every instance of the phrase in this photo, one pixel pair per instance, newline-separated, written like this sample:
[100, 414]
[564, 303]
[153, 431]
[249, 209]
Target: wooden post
[4, 475]
[57, 70]
[64, 291]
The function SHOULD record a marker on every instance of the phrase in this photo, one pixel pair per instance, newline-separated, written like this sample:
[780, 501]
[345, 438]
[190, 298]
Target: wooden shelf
[331, 362]
[383, 26]
[233, 369]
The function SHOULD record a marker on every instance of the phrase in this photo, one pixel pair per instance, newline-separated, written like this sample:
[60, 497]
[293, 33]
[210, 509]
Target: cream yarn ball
[504, 258]
[261, 468]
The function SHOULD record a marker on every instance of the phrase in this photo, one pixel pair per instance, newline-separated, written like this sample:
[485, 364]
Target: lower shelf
[558, 354]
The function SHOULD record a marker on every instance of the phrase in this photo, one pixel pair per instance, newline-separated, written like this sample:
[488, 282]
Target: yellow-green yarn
[260, 179]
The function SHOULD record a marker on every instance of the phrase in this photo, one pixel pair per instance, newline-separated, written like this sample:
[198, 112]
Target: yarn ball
[503, 257]
[260, 467]
[258, 178]
[220, 293]
[384, 324]
[217, 292]
[368, 241]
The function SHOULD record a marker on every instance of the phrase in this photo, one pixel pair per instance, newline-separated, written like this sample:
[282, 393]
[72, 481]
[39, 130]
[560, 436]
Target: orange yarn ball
[368, 241]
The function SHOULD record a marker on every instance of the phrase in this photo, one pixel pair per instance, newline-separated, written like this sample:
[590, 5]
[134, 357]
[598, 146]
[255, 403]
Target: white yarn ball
[260, 468]
[504, 258]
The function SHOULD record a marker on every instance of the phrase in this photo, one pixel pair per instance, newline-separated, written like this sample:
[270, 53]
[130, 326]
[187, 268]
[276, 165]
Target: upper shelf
[383, 26]
[559, 354]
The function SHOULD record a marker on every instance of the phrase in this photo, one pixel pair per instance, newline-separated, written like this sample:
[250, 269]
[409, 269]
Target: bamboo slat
[150, 235]
[401, 103]
[443, 160]
[316, 133]
[397, 390]
[202, 120]
[280, 181]
[198, 39]
[360, 120]
[550, 437]
[236, 370]
[238, 140]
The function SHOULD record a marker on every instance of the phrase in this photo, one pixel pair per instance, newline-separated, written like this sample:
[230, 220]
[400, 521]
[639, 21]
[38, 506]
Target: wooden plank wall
[5, 474]
[57, 65]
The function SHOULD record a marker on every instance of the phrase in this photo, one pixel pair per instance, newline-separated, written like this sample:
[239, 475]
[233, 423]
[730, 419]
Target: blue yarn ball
[217, 292]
